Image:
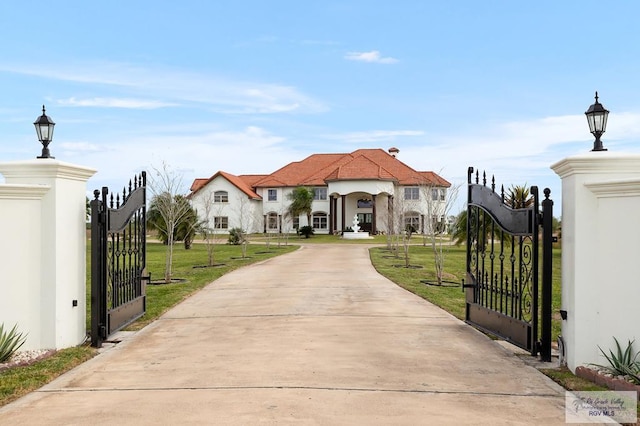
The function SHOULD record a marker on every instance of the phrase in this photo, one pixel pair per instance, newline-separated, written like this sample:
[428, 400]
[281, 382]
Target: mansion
[383, 192]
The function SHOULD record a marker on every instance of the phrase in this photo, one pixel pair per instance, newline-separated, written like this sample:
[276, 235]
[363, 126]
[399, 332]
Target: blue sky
[249, 86]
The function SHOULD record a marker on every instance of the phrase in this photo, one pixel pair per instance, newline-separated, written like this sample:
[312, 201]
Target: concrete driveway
[316, 337]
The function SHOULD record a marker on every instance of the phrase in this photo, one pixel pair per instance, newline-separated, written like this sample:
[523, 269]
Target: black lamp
[44, 129]
[597, 118]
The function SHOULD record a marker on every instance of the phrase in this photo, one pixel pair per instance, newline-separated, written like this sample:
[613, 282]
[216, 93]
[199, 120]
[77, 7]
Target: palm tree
[185, 226]
[301, 200]
[519, 197]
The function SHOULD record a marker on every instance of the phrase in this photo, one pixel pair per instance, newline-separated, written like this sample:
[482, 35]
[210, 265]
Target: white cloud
[249, 150]
[114, 103]
[179, 86]
[518, 152]
[373, 56]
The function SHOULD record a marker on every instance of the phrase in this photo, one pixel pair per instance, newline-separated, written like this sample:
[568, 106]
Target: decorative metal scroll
[118, 258]
[502, 281]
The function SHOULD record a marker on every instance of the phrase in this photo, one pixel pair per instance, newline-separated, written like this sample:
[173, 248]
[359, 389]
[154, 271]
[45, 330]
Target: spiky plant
[622, 362]
[10, 342]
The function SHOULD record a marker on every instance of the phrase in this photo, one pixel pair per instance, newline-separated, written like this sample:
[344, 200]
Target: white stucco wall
[20, 257]
[600, 252]
[242, 212]
[42, 207]
[254, 211]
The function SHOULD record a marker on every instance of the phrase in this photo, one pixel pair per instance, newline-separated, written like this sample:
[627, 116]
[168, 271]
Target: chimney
[393, 151]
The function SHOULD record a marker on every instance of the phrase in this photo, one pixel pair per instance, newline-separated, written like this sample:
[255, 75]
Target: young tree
[166, 186]
[185, 229]
[439, 202]
[247, 217]
[394, 216]
[208, 230]
[285, 227]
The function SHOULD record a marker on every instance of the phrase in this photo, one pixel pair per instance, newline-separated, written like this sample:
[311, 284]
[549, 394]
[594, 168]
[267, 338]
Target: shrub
[306, 231]
[10, 342]
[236, 236]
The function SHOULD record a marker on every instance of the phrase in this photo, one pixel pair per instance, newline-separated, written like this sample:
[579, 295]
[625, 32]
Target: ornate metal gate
[118, 259]
[503, 274]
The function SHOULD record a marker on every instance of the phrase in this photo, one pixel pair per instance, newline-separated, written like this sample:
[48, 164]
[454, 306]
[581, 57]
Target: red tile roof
[243, 183]
[319, 169]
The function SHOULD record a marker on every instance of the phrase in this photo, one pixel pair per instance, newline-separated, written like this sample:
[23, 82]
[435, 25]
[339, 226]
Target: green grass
[19, 381]
[451, 299]
[162, 297]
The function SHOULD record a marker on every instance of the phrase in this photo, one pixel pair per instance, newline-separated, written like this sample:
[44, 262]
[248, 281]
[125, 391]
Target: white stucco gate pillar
[600, 253]
[43, 251]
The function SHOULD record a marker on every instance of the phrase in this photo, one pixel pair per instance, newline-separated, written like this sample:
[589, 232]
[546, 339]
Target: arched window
[221, 197]
[319, 220]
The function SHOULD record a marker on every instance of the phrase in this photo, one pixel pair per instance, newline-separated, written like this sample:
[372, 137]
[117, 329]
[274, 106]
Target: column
[374, 228]
[600, 291]
[61, 300]
[344, 207]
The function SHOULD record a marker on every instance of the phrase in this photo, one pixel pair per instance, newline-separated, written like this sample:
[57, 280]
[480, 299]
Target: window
[438, 194]
[272, 221]
[365, 204]
[221, 197]
[272, 194]
[296, 223]
[221, 222]
[411, 194]
[319, 221]
[412, 220]
[319, 193]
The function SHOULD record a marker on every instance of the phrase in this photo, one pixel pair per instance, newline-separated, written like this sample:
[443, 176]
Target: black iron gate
[118, 258]
[503, 296]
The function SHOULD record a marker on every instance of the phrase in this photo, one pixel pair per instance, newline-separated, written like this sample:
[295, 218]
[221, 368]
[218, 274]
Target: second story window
[272, 195]
[438, 194]
[221, 197]
[412, 193]
[319, 193]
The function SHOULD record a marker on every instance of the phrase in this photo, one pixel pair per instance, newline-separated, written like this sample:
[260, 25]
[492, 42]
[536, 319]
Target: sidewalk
[313, 337]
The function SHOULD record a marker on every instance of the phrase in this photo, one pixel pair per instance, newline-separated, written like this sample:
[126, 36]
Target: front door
[364, 221]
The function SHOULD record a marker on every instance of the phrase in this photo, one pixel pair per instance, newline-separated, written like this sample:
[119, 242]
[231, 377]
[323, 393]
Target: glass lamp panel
[46, 132]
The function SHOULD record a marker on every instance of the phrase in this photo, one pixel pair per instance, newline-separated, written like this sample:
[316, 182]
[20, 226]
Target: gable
[240, 183]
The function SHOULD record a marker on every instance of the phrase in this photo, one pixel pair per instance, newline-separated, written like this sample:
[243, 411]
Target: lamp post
[597, 118]
[44, 129]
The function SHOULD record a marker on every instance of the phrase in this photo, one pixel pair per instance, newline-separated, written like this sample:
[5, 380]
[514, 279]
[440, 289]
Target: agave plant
[10, 342]
[622, 363]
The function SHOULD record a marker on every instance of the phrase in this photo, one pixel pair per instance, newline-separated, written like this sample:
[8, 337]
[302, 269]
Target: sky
[248, 86]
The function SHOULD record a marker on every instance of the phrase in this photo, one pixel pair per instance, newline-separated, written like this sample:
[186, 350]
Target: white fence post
[600, 253]
[43, 251]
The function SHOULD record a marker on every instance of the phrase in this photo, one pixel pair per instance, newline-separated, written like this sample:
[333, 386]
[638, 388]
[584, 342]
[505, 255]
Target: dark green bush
[236, 236]
[306, 231]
